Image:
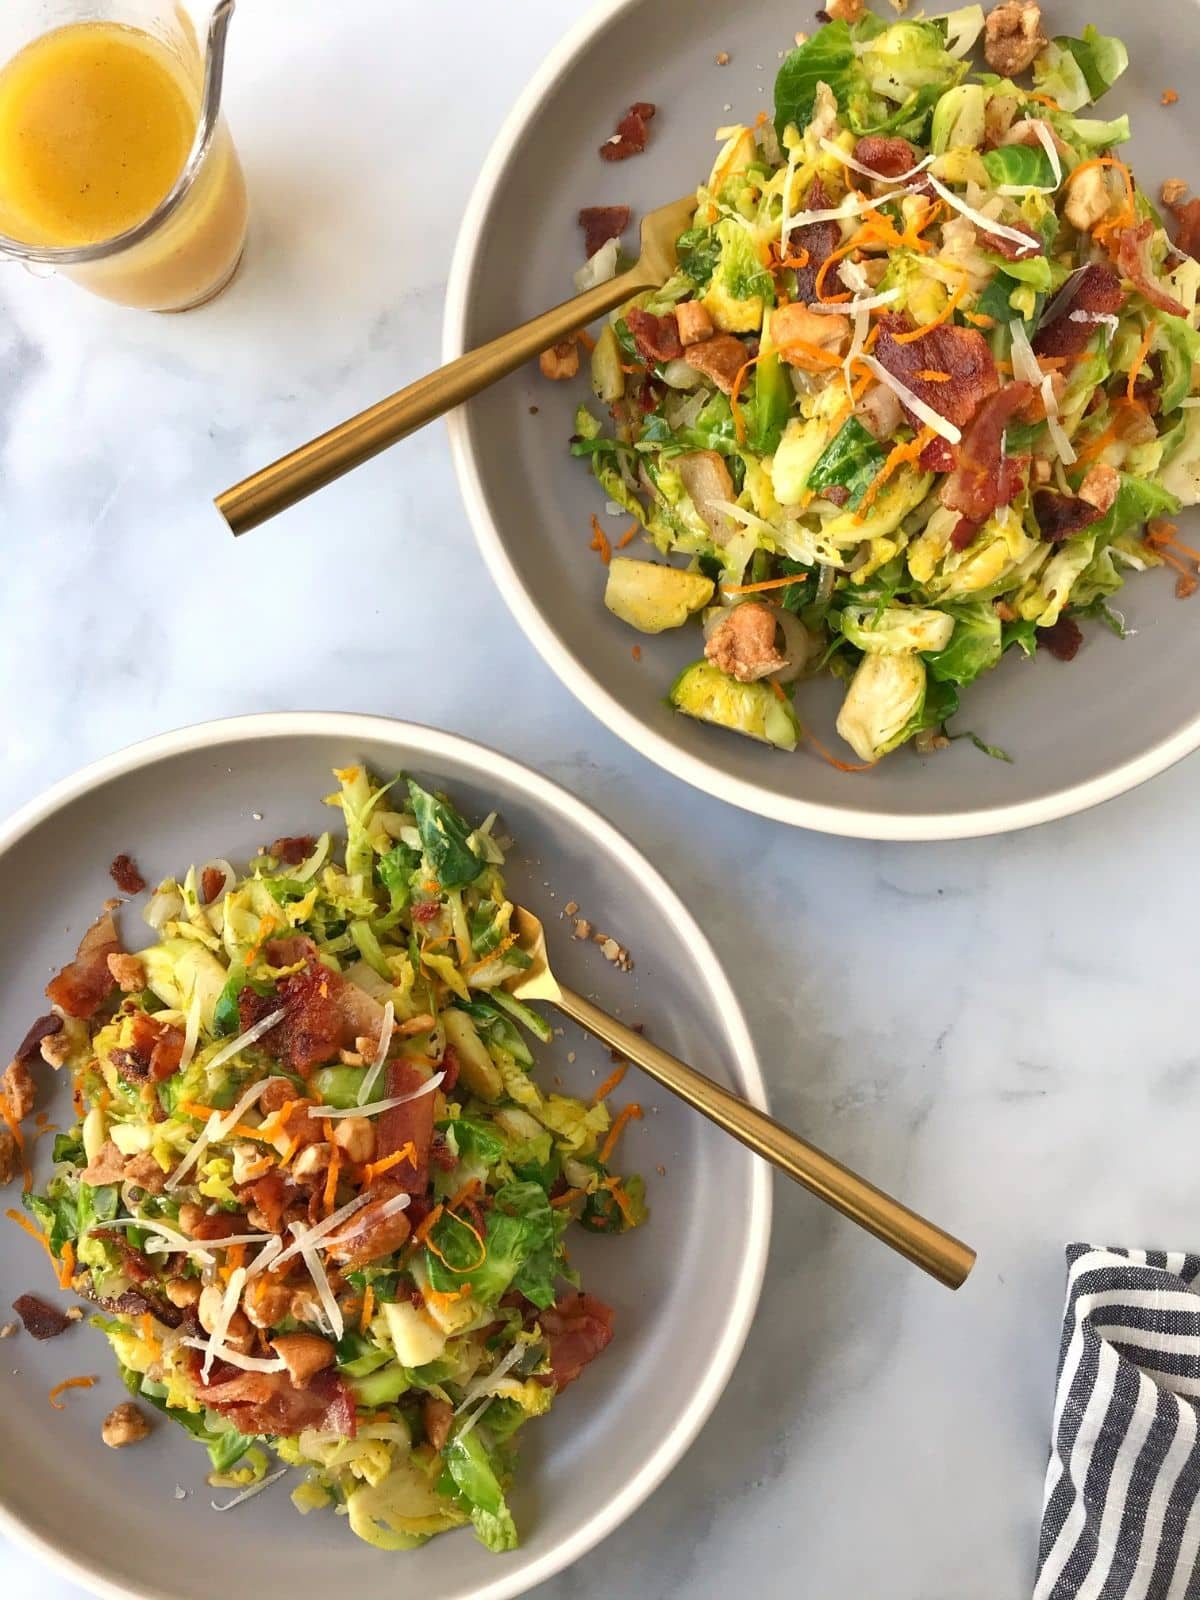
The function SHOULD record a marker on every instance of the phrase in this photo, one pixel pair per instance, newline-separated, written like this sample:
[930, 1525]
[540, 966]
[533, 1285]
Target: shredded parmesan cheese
[853, 307]
[176, 1241]
[308, 1253]
[219, 1126]
[485, 1384]
[854, 205]
[190, 1034]
[248, 1494]
[377, 1106]
[985, 224]
[235, 1358]
[229, 1303]
[322, 1229]
[245, 1040]
[385, 1044]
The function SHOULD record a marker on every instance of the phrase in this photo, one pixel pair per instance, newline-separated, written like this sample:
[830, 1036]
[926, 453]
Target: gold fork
[940, 1254]
[313, 465]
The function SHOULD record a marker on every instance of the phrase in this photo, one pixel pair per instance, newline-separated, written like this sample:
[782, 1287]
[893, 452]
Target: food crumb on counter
[661, 1170]
[571, 908]
[583, 929]
[571, 1057]
[722, 58]
[124, 873]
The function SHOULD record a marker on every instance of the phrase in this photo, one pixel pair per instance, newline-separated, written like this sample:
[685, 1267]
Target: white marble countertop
[1004, 1031]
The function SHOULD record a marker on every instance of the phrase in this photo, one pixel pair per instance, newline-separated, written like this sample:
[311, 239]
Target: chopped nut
[145, 1171]
[1100, 487]
[722, 58]
[1088, 198]
[183, 1292]
[305, 1354]
[124, 1424]
[351, 1058]
[19, 1087]
[571, 907]
[1173, 191]
[55, 1048]
[610, 950]
[1014, 37]
[844, 10]
[560, 361]
[74, 1313]
[312, 1160]
[801, 39]
[10, 1163]
[661, 1170]
[9, 1329]
[108, 1166]
[355, 1138]
[129, 974]
[249, 1163]
[583, 929]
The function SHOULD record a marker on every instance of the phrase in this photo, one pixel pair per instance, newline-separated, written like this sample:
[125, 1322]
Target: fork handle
[939, 1253]
[311, 466]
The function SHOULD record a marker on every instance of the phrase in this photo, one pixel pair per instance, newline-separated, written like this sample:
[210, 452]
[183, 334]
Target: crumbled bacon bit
[39, 1318]
[1009, 248]
[85, 983]
[657, 338]
[819, 240]
[1062, 640]
[720, 358]
[962, 352]
[937, 456]
[1061, 515]
[1095, 292]
[45, 1027]
[600, 224]
[631, 135]
[888, 157]
[212, 881]
[1133, 246]
[1187, 232]
[124, 873]
[293, 849]
[576, 1328]
[311, 1030]
[154, 1052]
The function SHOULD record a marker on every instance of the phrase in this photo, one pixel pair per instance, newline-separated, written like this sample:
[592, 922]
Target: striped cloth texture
[1121, 1514]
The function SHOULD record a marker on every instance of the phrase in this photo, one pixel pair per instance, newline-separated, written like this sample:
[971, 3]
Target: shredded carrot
[778, 692]
[1138, 362]
[266, 927]
[636, 652]
[566, 1197]
[422, 1231]
[842, 766]
[586, 339]
[69, 1383]
[811, 352]
[617, 1190]
[478, 1237]
[901, 454]
[610, 1083]
[368, 1309]
[67, 1270]
[632, 1111]
[600, 542]
[626, 538]
[331, 1181]
[146, 1325]
[235, 1256]
[944, 315]
[758, 588]
[510, 939]
[1160, 532]
[1041, 100]
[287, 1155]
[1128, 213]
[42, 1122]
[1170, 97]
[819, 285]
[14, 1127]
[930, 376]
[34, 1233]
[445, 1297]
[465, 1193]
[373, 1169]
[979, 319]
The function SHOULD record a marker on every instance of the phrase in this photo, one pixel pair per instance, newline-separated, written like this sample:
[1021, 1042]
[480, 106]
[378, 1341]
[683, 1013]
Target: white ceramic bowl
[684, 1288]
[1080, 734]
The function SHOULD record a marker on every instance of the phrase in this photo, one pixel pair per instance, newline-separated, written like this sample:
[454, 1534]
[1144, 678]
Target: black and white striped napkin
[1121, 1517]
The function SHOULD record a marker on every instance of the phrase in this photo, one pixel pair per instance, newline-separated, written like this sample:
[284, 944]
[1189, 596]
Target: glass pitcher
[157, 222]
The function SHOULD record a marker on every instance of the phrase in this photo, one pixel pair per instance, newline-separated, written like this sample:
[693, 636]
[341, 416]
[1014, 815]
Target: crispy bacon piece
[964, 533]
[962, 352]
[218, 1225]
[29, 1048]
[632, 133]
[411, 1123]
[451, 1066]
[1094, 292]
[1133, 260]
[211, 882]
[820, 240]
[292, 849]
[311, 1031]
[887, 157]
[270, 1403]
[140, 1303]
[39, 1317]
[1062, 640]
[1061, 515]
[1009, 248]
[135, 1263]
[937, 456]
[577, 1328]
[720, 358]
[657, 338]
[84, 984]
[600, 224]
[124, 873]
[982, 480]
[154, 1052]
[1187, 233]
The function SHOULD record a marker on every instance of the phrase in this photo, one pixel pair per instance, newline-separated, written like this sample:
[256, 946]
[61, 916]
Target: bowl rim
[433, 744]
[466, 266]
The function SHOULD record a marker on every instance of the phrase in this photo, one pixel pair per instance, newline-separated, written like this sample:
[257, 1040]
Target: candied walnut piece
[1013, 38]
[124, 1424]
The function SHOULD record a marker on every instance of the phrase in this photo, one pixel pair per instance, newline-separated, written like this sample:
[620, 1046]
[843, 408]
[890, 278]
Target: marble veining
[1004, 1031]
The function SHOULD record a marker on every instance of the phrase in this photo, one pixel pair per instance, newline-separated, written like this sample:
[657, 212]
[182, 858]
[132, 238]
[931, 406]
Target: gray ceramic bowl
[1120, 713]
[684, 1288]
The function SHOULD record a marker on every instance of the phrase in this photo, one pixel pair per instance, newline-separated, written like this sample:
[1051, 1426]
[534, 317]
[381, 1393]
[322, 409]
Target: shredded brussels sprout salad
[922, 390]
[315, 1185]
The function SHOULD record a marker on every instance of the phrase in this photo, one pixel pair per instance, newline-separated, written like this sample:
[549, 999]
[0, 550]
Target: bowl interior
[1115, 707]
[610, 1438]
